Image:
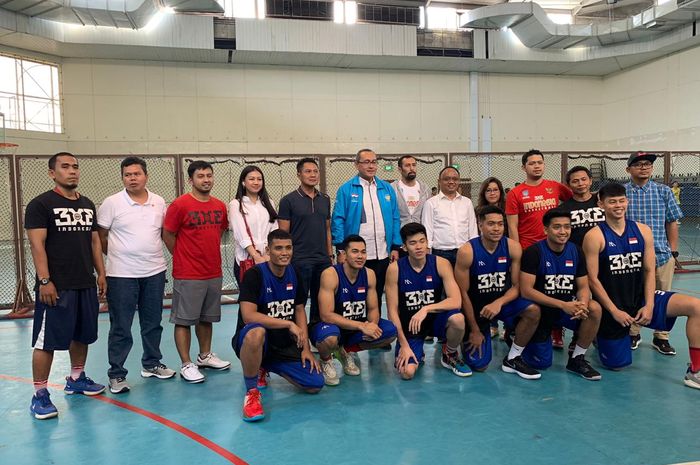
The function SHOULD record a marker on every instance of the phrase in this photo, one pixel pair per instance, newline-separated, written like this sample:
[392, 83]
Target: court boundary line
[198, 438]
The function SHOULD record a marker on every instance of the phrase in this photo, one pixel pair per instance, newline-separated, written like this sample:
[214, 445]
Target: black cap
[639, 156]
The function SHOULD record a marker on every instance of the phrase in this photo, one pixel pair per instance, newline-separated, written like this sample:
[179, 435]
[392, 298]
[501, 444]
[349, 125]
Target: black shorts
[73, 318]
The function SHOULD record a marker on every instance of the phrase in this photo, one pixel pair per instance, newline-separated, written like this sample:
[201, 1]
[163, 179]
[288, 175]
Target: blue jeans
[311, 277]
[126, 296]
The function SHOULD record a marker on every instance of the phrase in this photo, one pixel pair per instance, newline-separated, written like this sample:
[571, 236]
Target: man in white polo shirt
[130, 224]
[449, 217]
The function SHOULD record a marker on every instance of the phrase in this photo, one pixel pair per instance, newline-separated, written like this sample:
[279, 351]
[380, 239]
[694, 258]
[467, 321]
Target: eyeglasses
[492, 191]
[450, 179]
[645, 164]
[367, 162]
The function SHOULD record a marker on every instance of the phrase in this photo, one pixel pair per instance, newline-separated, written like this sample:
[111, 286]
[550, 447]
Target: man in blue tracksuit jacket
[366, 205]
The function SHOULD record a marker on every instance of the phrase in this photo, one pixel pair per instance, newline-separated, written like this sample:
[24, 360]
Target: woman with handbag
[252, 216]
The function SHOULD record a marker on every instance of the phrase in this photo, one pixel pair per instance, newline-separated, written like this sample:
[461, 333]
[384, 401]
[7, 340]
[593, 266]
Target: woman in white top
[252, 203]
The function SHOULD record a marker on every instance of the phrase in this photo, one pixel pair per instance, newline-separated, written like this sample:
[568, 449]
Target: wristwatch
[674, 253]
[44, 281]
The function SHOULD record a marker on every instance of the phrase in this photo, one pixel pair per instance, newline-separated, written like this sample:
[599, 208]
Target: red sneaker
[252, 406]
[262, 378]
[558, 338]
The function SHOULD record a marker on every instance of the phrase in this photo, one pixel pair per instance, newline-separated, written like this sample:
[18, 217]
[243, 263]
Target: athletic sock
[695, 359]
[75, 371]
[578, 350]
[450, 350]
[38, 385]
[515, 351]
[251, 382]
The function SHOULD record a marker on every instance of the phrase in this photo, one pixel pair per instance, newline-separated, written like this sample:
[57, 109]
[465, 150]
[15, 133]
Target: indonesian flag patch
[360, 290]
[569, 263]
[290, 286]
[633, 240]
[502, 260]
[428, 279]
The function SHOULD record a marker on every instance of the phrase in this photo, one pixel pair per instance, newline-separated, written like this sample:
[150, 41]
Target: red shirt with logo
[530, 203]
[198, 226]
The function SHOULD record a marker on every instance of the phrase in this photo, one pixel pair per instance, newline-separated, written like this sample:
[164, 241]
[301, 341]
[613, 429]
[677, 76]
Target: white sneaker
[160, 371]
[190, 373]
[348, 361]
[210, 360]
[330, 375]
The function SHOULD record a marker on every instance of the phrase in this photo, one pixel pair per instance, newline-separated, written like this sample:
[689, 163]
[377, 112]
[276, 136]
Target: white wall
[152, 107]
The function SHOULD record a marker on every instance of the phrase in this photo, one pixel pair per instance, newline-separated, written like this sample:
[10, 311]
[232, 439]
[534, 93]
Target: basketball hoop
[7, 148]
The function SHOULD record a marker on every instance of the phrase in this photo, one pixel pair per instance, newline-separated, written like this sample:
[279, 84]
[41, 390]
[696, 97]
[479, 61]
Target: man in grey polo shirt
[130, 225]
[306, 215]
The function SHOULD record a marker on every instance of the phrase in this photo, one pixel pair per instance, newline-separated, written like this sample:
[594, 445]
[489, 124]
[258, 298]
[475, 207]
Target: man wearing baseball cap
[653, 204]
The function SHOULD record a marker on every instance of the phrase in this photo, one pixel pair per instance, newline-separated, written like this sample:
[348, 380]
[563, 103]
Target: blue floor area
[642, 415]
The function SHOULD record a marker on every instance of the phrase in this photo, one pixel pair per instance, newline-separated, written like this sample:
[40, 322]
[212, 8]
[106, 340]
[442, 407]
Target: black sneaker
[663, 346]
[580, 366]
[520, 368]
[635, 341]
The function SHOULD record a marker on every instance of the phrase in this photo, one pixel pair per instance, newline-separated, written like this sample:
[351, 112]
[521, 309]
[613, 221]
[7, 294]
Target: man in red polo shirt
[526, 205]
[192, 232]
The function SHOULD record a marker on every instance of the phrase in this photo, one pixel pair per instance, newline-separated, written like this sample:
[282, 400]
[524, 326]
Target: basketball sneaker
[42, 407]
[210, 360]
[83, 385]
[453, 362]
[580, 366]
[558, 338]
[663, 346]
[692, 379]
[160, 371]
[252, 406]
[330, 375]
[190, 373]
[350, 368]
[518, 366]
[118, 385]
[635, 340]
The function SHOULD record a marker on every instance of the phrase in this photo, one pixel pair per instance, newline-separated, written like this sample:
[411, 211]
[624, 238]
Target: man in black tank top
[621, 263]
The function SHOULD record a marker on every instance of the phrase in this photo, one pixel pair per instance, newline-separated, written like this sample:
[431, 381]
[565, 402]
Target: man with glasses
[366, 205]
[653, 204]
[449, 217]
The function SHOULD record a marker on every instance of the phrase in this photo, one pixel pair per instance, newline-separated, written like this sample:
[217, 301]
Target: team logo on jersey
[633, 240]
[502, 260]
[72, 219]
[558, 282]
[481, 263]
[407, 281]
[354, 309]
[625, 262]
[282, 309]
[417, 299]
[548, 264]
[345, 290]
[491, 281]
[611, 244]
[290, 286]
[428, 279]
[268, 290]
[548, 190]
[526, 193]
[590, 215]
[360, 290]
[569, 263]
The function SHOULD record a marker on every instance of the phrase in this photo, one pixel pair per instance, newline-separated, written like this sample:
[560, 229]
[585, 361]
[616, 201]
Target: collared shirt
[308, 218]
[134, 247]
[372, 223]
[449, 222]
[654, 205]
[258, 219]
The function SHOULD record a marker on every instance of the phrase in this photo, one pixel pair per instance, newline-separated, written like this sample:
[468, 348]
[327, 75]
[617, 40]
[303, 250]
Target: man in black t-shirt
[272, 330]
[583, 206]
[62, 230]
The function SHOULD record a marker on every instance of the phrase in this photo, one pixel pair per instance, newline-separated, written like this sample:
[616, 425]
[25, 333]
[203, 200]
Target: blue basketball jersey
[489, 274]
[417, 288]
[276, 300]
[556, 275]
[351, 298]
[620, 266]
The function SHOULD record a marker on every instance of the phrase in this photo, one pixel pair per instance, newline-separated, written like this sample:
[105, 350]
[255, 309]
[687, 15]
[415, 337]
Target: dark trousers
[379, 267]
[311, 278]
[125, 297]
[450, 255]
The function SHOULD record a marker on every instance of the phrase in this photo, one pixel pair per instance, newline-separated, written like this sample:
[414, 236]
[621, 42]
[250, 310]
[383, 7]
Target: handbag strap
[247, 228]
